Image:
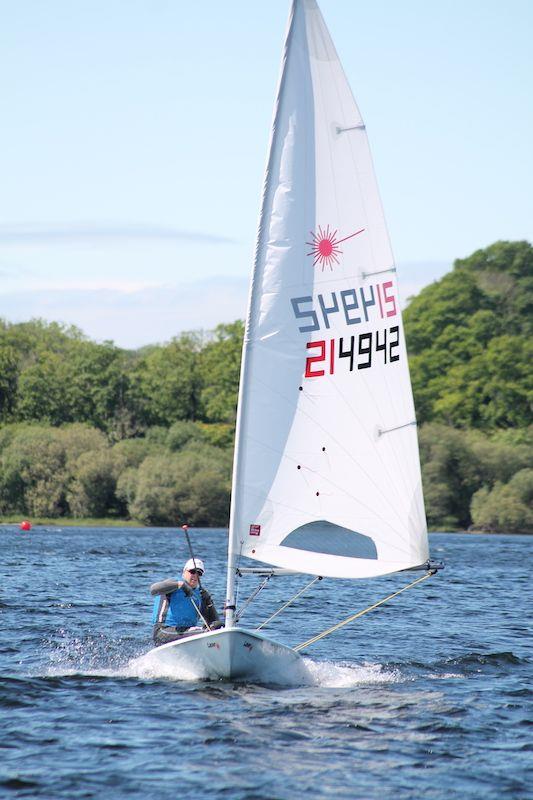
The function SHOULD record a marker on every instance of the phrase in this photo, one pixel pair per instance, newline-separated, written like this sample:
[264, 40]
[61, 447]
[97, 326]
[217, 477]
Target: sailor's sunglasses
[195, 572]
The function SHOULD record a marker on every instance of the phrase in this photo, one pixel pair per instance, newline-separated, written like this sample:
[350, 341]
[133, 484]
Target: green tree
[164, 383]
[132, 452]
[42, 390]
[450, 473]
[94, 482]
[469, 341]
[500, 455]
[220, 363]
[126, 490]
[448, 303]
[505, 507]
[190, 486]
[33, 474]
[9, 369]
[494, 390]
[78, 438]
[181, 433]
[37, 336]
[96, 384]
[456, 464]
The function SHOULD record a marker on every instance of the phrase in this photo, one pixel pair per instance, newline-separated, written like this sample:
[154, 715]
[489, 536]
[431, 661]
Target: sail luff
[233, 538]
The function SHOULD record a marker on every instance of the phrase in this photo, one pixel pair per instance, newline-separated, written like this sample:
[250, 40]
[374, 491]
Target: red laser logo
[325, 247]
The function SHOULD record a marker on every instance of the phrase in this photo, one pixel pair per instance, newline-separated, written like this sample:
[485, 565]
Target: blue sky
[134, 135]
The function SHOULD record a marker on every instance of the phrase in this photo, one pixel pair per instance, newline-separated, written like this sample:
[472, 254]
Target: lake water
[428, 696]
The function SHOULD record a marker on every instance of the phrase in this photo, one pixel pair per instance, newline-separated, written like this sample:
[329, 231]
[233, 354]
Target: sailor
[180, 604]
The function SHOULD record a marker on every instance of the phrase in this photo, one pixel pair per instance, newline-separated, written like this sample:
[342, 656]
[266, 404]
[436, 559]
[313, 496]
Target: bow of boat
[232, 654]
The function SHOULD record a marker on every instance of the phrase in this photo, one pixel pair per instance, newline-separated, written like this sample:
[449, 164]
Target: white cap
[195, 563]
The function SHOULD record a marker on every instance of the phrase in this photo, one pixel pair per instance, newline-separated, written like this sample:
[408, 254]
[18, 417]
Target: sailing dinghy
[326, 476]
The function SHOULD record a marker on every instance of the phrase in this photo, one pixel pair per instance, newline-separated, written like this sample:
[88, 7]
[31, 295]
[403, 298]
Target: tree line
[167, 475]
[92, 430]
[53, 373]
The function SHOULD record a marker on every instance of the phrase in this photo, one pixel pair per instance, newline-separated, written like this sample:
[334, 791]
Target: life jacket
[176, 609]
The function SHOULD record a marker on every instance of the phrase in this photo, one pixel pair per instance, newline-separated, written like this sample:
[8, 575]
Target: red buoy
[25, 525]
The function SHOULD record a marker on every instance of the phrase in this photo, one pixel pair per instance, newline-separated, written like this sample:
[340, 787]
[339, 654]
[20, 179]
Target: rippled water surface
[428, 696]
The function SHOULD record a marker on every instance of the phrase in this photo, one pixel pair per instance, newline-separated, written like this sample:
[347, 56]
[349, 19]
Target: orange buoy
[25, 525]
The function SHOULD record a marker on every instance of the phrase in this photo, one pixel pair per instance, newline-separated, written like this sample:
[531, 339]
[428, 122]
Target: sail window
[333, 540]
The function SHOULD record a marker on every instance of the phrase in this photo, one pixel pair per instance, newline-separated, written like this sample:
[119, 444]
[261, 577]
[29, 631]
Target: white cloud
[94, 285]
[97, 233]
[133, 317]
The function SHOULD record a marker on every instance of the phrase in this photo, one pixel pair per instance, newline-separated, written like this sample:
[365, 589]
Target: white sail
[326, 475]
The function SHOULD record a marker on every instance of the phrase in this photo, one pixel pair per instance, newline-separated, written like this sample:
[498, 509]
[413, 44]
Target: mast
[233, 537]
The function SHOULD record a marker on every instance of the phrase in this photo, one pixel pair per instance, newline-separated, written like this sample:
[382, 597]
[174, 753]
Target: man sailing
[180, 604]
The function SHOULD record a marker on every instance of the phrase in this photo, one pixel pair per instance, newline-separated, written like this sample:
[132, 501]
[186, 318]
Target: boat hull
[231, 654]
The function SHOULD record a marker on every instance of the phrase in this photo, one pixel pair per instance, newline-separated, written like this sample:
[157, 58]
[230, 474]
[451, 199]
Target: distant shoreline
[69, 522]
[82, 522]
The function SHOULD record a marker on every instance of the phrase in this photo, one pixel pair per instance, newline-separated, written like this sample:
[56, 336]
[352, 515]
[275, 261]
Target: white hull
[232, 654]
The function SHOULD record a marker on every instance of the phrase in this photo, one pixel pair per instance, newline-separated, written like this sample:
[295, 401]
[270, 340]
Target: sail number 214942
[360, 351]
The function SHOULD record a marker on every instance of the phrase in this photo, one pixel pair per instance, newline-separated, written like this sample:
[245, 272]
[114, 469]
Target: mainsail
[326, 475]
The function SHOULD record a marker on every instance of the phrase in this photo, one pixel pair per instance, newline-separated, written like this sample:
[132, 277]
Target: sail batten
[326, 474]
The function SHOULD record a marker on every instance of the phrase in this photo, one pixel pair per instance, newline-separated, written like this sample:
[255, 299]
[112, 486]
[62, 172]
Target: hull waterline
[231, 654]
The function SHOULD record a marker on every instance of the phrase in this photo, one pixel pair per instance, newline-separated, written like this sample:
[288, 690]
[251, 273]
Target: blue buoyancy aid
[180, 613]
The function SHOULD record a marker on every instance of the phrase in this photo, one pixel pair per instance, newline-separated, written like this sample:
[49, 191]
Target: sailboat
[326, 477]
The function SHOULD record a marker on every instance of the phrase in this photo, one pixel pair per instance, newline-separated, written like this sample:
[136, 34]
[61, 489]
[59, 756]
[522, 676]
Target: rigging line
[206, 623]
[252, 597]
[365, 611]
[185, 529]
[284, 606]
[238, 574]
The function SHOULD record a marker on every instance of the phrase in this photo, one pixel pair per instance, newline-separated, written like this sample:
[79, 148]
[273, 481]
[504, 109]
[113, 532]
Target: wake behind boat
[326, 477]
